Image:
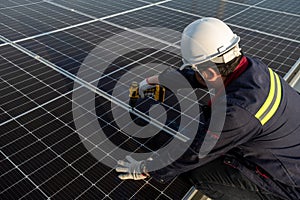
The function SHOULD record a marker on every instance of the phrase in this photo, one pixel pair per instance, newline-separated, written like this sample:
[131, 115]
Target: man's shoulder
[251, 88]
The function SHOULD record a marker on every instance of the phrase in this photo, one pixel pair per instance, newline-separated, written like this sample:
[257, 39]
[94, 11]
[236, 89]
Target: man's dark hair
[227, 68]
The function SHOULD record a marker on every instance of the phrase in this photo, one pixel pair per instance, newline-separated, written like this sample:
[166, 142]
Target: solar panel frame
[280, 24]
[100, 9]
[290, 7]
[17, 3]
[37, 21]
[73, 169]
[23, 122]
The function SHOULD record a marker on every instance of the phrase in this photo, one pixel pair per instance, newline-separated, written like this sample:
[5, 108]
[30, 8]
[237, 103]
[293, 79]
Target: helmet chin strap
[228, 56]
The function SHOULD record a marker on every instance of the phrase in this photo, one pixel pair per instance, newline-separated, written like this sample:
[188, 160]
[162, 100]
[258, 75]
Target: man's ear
[211, 74]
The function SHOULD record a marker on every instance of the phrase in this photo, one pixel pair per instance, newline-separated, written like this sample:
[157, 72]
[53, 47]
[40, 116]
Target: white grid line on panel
[124, 67]
[163, 192]
[136, 61]
[35, 108]
[47, 111]
[49, 147]
[262, 32]
[53, 144]
[3, 44]
[64, 7]
[54, 31]
[46, 102]
[119, 26]
[43, 125]
[262, 8]
[234, 25]
[239, 3]
[142, 34]
[28, 94]
[277, 11]
[185, 12]
[103, 94]
[39, 140]
[256, 49]
[98, 19]
[34, 77]
[47, 124]
[27, 4]
[25, 176]
[139, 189]
[25, 80]
[116, 42]
[88, 4]
[132, 10]
[57, 155]
[80, 24]
[64, 168]
[273, 23]
[275, 56]
[149, 4]
[255, 30]
[125, 12]
[43, 14]
[243, 10]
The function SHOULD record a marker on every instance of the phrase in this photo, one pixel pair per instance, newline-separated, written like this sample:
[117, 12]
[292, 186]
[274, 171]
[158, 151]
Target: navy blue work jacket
[261, 134]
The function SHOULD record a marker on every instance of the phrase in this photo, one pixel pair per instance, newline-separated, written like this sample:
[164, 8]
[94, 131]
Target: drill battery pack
[158, 93]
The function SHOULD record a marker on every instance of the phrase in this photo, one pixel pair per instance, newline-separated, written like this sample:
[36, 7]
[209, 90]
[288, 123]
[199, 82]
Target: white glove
[144, 85]
[133, 169]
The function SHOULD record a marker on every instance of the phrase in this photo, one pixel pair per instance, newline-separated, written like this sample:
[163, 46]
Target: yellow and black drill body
[158, 93]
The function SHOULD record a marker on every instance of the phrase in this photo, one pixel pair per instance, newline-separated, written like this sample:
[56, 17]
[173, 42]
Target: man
[257, 155]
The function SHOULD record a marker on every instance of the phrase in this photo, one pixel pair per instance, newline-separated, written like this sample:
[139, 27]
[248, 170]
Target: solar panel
[277, 23]
[17, 3]
[59, 58]
[290, 7]
[100, 9]
[278, 53]
[29, 20]
[247, 2]
[215, 8]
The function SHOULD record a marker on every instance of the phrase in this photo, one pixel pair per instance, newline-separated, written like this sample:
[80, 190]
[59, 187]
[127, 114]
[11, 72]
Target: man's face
[209, 77]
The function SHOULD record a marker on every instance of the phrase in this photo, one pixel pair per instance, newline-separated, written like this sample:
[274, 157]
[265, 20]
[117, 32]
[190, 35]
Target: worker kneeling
[257, 154]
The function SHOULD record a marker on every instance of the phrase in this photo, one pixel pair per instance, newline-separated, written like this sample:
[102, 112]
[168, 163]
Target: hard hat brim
[187, 63]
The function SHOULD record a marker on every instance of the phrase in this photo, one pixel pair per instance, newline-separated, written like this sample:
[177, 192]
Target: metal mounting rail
[293, 75]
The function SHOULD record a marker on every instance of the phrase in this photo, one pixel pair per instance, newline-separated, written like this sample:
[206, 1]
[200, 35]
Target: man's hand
[148, 83]
[132, 170]
[144, 85]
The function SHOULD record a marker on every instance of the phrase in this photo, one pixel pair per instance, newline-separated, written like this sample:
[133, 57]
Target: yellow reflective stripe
[277, 101]
[268, 101]
[272, 102]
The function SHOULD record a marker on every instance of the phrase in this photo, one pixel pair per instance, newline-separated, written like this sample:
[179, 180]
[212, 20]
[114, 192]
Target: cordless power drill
[158, 93]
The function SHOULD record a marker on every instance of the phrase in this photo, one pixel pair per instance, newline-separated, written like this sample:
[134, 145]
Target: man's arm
[240, 127]
[172, 79]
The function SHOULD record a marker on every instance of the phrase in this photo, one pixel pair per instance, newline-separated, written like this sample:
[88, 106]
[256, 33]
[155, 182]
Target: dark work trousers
[220, 181]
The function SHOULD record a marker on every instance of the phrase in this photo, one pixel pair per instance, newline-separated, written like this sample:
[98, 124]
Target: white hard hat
[208, 39]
